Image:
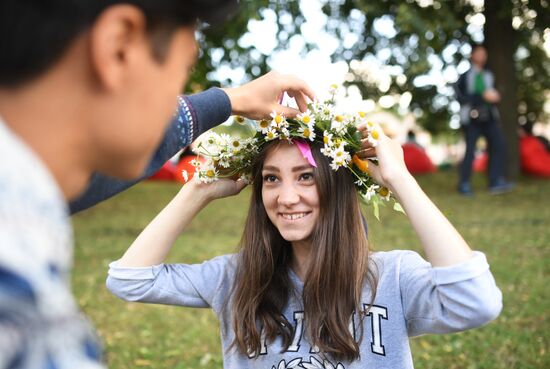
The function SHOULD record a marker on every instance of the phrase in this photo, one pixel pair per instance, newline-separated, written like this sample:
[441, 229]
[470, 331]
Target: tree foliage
[428, 35]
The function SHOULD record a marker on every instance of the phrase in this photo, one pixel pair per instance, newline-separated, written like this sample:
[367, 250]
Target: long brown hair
[338, 270]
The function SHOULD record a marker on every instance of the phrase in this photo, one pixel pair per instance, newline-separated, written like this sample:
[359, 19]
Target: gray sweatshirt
[412, 298]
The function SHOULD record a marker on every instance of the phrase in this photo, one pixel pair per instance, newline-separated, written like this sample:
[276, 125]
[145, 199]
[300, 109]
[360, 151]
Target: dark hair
[35, 33]
[475, 45]
[333, 285]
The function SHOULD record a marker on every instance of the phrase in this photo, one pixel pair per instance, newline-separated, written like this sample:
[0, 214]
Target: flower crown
[232, 157]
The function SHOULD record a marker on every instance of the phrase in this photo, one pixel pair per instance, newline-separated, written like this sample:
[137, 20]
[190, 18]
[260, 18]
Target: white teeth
[294, 216]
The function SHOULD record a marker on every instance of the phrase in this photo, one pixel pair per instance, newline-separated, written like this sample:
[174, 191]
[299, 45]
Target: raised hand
[223, 187]
[390, 165]
[258, 98]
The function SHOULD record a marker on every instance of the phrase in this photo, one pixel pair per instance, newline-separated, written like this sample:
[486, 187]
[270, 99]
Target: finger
[367, 153]
[377, 127]
[294, 84]
[362, 128]
[300, 99]
[240, 184]
[287, 111]
[374, 171]
[366, 144]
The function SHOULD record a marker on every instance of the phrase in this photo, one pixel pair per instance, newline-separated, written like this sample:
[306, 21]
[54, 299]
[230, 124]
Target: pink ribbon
[305, 149]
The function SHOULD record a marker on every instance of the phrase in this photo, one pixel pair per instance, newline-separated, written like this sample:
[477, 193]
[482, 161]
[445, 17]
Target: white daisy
[340, 157]
[263, 126]
[384, 193]
[371, 191]
[208, 174]
[307, 132]
[306, 118]
[373, 137]
[277, 120]
[327, 138]
[338, 124]
[271, 135]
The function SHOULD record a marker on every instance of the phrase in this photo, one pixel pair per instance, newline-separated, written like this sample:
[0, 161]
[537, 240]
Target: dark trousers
[495, 142]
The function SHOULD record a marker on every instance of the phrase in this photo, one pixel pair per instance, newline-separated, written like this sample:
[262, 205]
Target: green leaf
[376, 209]
[397, 207]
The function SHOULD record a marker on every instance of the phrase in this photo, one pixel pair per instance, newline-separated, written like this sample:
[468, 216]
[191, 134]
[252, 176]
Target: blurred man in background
[479, 116]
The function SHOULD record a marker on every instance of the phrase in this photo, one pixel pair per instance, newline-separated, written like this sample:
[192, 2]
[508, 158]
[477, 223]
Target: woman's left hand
[390, 166]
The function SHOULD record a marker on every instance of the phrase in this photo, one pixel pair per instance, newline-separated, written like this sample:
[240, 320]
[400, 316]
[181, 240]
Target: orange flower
[363, 165]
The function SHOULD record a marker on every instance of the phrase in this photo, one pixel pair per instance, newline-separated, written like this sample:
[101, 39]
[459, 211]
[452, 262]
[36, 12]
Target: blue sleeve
[447, 299]
[192, 285]
[195, 114]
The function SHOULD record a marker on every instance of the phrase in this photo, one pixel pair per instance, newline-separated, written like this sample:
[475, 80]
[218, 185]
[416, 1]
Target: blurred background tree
[423, 41]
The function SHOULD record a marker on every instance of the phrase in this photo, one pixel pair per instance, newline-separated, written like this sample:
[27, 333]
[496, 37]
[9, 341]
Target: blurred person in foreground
[479, 116]
[90, 87]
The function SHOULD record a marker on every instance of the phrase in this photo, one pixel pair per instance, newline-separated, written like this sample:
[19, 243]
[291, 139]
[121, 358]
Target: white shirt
[41, 325]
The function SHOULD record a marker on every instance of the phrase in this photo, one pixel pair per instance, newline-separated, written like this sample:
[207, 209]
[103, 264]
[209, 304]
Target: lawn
[512, 229]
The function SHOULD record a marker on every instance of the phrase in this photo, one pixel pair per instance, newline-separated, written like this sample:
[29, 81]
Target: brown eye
[306, 177]
[270, 178]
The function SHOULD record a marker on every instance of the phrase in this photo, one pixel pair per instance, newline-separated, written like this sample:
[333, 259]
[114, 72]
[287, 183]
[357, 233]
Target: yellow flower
[362, 114]
[306, 119]
[239, 119]
[339, 118]
[210, 173]
[375, 135]
[384, 192]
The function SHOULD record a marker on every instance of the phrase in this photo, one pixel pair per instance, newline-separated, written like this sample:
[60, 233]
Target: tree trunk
[501, 43]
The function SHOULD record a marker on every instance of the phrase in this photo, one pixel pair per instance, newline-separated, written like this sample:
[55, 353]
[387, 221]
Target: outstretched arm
[197, 114]
[442, 243]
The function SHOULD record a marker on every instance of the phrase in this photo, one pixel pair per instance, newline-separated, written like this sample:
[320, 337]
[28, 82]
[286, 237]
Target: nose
[288, 195]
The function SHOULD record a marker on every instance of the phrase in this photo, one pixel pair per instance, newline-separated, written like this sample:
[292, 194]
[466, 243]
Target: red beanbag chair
[166, 173]
[185, 164]
[535, 160]
[416, 160]
[480, 163]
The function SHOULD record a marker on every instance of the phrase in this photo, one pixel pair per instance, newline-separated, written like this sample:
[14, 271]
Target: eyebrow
[294, 169]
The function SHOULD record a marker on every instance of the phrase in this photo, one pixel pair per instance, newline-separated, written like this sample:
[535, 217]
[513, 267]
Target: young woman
[305, 291]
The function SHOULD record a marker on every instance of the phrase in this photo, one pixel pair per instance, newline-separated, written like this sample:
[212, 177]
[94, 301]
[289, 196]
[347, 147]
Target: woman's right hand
[223, 187]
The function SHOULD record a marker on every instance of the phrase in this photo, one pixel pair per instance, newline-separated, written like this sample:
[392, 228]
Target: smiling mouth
[293, 216]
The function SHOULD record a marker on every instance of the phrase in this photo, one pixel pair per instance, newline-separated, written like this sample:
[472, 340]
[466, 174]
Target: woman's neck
[301, 251]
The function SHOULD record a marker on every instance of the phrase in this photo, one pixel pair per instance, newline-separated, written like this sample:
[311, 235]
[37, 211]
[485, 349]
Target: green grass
[512, 229]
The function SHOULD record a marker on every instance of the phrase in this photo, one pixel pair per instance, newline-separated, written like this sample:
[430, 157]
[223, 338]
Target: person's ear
[115, 40]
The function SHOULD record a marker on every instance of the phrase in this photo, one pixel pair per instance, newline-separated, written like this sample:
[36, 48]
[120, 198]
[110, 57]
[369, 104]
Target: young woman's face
[289, 192]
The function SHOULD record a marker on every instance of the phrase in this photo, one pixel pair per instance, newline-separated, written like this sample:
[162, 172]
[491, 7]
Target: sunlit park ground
[512, 229]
